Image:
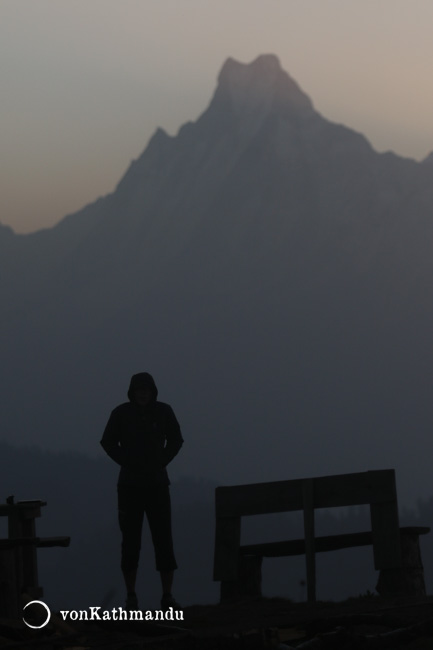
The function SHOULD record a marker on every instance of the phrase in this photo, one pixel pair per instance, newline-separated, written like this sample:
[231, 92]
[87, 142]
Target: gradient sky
[85, 83]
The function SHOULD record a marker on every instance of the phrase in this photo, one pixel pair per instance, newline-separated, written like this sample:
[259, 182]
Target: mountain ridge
[254, 74]
[263, 249]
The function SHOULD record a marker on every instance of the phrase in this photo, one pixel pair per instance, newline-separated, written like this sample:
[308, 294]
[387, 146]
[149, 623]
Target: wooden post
[9, 592]
[308, 506]
[227, 543]
[226, 558]
[248, 583]
[18, 555]
[21, 524]
[409, 578]
[385, 527]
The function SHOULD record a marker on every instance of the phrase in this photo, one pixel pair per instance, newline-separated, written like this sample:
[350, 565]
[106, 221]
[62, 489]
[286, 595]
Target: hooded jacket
[142, 439]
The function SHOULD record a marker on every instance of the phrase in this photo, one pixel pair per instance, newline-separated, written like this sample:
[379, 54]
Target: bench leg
[10, 583]
[249, 582]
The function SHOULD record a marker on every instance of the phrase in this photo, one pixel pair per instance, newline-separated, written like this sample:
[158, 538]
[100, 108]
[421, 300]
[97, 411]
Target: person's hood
[142, 380]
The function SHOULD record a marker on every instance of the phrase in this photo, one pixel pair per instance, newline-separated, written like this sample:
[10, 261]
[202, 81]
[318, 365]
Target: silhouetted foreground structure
[396, 551]
[18, 555]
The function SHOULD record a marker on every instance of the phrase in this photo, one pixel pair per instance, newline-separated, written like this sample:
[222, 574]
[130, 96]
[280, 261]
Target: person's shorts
[133, 502]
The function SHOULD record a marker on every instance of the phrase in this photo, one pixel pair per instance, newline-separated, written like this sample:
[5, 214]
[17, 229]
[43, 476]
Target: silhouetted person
[143, 436]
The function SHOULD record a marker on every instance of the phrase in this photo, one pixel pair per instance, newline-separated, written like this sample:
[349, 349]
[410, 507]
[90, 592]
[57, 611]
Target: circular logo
[38, 602]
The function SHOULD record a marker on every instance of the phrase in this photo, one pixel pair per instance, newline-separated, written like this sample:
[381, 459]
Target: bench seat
[40, 542]
[321, 543]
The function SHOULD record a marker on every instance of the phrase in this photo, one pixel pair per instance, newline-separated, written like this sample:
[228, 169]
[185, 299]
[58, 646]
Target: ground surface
[264, 624]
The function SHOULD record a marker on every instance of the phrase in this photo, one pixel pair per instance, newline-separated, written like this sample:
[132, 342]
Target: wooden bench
[238, 568]
[409, 579]
[18, 554]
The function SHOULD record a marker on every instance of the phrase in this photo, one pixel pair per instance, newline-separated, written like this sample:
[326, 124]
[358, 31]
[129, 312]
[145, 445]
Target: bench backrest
[376, 488]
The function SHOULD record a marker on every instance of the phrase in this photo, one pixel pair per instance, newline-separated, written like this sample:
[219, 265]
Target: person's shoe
[168, 601]
[131, 603]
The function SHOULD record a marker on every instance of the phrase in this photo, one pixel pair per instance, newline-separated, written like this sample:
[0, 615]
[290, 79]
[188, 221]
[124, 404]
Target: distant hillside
[267, 266]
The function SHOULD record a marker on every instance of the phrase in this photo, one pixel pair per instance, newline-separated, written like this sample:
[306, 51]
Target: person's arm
[111, 439]
[173, 437]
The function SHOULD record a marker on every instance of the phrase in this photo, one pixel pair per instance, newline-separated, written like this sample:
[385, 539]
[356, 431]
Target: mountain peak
[263, 64]
[261, 86]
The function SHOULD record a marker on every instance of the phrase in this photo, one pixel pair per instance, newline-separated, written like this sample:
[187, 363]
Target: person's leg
[167, 582]
[158, 512]
[131, 512]
[130, 578]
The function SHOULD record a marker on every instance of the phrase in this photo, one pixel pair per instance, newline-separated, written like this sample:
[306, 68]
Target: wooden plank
[354, 489]
[227, 542]
[284, 496]
[259, 498]
[285, 548]
[33, 505]
[415, 530]
[18, 541]
[40, 542]
[343, 490]
[308, 504]
[322, 544]
[48, 542]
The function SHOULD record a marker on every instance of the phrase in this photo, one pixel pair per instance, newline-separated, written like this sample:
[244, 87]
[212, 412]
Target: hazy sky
[85, 83]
